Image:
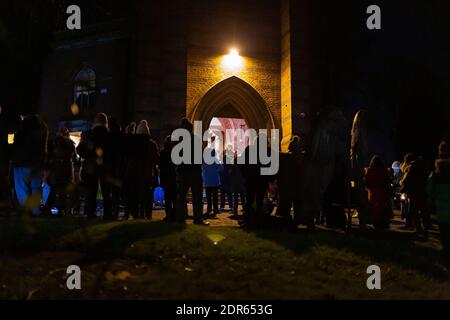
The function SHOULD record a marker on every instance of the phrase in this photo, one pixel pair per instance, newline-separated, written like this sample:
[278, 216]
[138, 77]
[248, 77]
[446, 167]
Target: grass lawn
[142, 260]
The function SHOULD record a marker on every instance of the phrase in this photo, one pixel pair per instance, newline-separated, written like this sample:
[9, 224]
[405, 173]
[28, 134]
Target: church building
[228, 63]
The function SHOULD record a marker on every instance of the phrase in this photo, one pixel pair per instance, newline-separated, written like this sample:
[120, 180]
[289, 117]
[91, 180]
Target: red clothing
[378, 183]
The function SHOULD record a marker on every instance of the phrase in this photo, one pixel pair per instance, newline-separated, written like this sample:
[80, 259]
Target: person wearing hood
[378, 183]
[168, 179]
[118, 162]
[148, 172]
[289, 181]
[225, 180]
[95, 149]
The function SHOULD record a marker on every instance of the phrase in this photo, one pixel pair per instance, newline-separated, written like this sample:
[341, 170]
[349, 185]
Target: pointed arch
[234, 96]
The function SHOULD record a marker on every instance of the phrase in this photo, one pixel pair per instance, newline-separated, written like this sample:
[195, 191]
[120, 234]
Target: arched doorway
[233, 98]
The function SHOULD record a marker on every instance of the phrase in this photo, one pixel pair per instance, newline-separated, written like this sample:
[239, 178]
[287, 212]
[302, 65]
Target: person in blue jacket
[211, 171]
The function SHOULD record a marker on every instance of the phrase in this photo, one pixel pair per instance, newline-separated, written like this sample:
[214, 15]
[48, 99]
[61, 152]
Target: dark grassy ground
[142, 260]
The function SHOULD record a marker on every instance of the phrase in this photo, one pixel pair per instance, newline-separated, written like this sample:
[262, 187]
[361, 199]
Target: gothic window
[85, 89]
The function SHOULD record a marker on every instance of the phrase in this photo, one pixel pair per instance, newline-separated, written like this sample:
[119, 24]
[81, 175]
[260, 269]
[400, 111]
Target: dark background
[400, 73]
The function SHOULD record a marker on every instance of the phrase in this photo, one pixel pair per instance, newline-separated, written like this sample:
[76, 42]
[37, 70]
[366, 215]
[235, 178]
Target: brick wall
[250, 26]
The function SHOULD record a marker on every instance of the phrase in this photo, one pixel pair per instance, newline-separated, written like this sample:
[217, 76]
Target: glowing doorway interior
[233, 132]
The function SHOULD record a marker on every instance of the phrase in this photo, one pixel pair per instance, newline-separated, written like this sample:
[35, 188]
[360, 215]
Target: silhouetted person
[168, 179]
[237, 185]
[289, 181]
[225, 187]
[439, 199]
[211, 182]
[142, 158]
[4, 160]
[147, 169]
[359, 159]
[118, 163]
[378, 182]
[62, 155]
[414, 184]
[444, 149]
[189, 176]
[131, 128]
[95, 149]
[131, 174]
[404, 200]
[336, 197]
[256, 186]
[28, 157]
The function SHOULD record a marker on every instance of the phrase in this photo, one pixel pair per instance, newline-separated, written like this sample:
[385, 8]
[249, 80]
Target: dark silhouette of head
[143, 128]
[444, 150]
[376, 162]
[100, 120]
[187, 125]
[131, 128]
[168, 144]
[409, 158]
[64, 132]
[295, 145]
[114, 126]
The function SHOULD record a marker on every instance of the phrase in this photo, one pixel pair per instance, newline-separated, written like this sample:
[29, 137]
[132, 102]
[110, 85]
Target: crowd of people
[125, 167]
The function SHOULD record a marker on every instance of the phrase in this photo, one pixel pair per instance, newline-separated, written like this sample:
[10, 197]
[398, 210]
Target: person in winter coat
[168, 179]
[444, 149]
[225, 187]
[189, 176]
[148, 172]
[438, 189]
[289, 180]
[404, 200]
[377, 180]
[62, 155]
[95, 149]
[28, 159]
[211, 181]
[256, 185]
[142, 158]
[237, 185]
[118, 162]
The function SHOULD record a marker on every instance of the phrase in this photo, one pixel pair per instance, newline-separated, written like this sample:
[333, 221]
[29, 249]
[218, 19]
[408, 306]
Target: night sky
[401, 73]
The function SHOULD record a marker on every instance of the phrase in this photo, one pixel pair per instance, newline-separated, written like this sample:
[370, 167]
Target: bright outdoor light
[233, 61]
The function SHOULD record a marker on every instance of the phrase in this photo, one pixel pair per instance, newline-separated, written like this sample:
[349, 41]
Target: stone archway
[234, 98]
